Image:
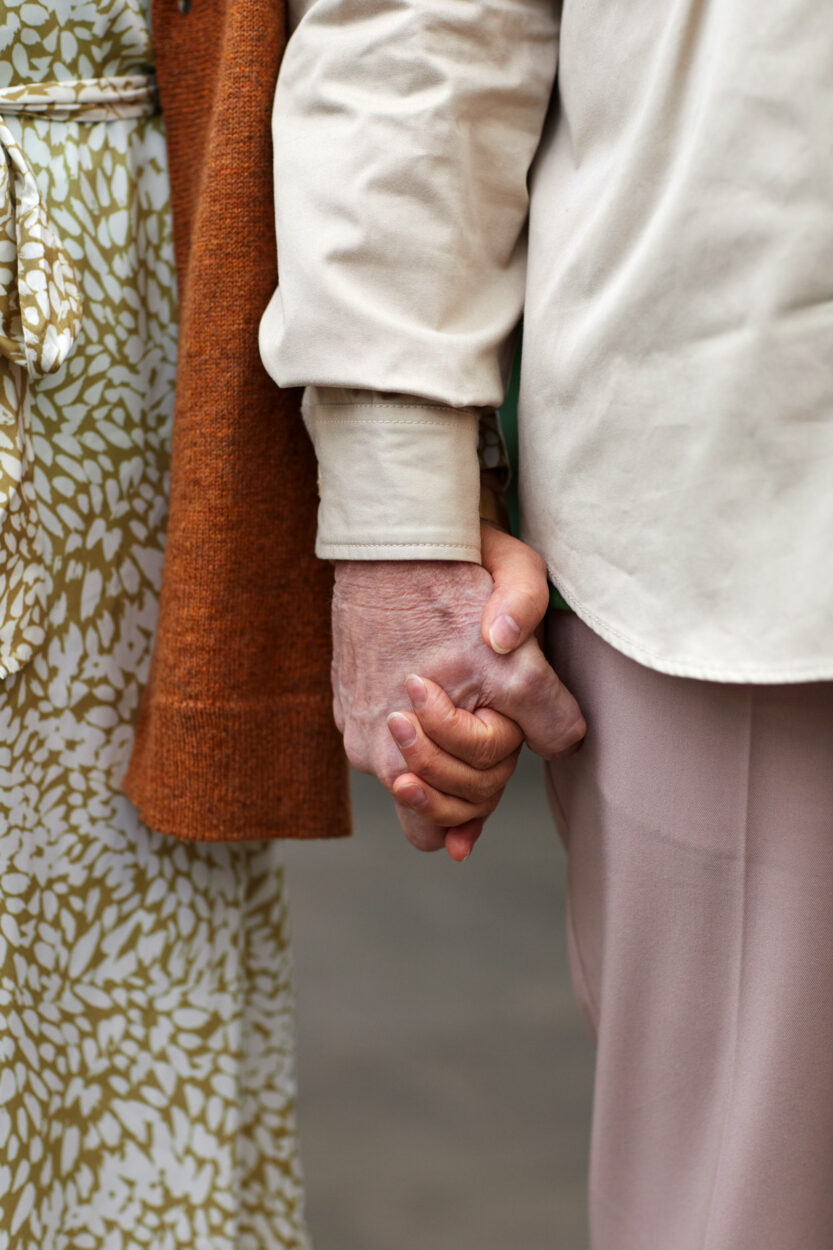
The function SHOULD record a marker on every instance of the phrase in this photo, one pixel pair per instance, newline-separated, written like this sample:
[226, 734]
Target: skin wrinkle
[394, 618]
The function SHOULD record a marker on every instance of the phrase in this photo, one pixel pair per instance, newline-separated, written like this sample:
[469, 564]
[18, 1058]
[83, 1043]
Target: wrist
[402, 584]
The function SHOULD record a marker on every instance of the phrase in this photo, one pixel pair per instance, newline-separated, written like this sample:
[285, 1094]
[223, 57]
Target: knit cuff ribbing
[206, 773]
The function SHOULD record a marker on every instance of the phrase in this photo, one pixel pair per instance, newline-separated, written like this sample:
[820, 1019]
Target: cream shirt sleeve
[403, 135]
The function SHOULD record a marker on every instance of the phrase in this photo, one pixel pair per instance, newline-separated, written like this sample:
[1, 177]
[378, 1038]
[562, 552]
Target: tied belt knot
[40, 299]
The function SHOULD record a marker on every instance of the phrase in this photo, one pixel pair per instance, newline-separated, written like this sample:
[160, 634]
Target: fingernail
[412, 796]
[417, 691]
[402, 731]
[504, 634]
[462, 858]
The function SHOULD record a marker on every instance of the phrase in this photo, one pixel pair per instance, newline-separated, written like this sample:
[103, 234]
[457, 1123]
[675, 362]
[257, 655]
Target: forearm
[403, 135]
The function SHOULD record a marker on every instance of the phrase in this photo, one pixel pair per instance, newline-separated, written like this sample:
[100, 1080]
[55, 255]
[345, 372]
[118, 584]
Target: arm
[404, 131]
[403, 135]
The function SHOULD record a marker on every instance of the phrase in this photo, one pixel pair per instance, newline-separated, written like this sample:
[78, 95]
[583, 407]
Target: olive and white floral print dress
[146, 1066]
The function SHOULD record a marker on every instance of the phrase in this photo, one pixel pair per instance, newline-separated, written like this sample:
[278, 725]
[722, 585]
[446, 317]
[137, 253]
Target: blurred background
[445, 1071]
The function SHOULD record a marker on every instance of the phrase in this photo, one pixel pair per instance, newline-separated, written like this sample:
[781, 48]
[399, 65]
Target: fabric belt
[83, 99]
[40, 319]
[40, 302]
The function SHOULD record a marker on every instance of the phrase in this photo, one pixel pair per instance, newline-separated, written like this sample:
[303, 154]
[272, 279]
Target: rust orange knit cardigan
[235, 737]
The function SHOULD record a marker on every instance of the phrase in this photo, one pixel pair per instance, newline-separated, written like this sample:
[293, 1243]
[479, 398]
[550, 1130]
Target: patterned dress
[146, 1045]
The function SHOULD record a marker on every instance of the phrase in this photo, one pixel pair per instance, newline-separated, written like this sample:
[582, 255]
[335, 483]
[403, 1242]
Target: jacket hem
[687, 666]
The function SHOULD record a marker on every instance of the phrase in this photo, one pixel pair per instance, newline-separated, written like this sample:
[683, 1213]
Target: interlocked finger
[459, 841]
[436, 808]
[445, 772]
[480, 739]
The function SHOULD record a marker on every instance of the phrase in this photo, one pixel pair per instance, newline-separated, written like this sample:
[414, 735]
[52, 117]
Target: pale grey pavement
[445, 1072]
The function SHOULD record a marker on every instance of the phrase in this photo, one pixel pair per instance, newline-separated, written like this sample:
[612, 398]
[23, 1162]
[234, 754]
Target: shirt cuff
[398, 476]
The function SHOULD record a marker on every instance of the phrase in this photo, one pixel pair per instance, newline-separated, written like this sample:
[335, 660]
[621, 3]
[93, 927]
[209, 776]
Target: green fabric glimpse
[508, 418]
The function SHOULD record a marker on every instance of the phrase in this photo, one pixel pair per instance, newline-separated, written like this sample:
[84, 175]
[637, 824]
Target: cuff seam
[390, 403]
[416, 542]
[358, 420]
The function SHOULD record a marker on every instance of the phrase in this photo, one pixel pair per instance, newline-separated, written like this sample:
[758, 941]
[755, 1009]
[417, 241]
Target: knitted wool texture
[235, 736]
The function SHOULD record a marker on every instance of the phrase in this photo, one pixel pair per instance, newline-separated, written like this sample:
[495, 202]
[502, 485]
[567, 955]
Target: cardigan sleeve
[403, 135]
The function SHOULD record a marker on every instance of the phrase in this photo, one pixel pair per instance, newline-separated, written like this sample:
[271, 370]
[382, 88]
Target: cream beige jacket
[674, 266]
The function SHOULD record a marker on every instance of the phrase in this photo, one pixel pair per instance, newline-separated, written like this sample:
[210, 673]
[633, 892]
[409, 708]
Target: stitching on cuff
[467, 410]
[325, 542]
[393, 425]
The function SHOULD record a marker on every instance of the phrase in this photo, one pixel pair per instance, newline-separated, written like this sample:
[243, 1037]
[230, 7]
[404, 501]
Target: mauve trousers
[699, 824]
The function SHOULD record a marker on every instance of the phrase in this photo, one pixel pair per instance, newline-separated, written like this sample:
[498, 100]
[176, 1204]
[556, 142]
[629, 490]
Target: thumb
[520, 597]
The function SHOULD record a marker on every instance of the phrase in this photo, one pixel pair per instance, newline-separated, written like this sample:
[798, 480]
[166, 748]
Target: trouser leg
[699, 820]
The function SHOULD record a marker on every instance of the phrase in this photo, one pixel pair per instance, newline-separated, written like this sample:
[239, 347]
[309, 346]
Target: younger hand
[520, 594]
[458, 762]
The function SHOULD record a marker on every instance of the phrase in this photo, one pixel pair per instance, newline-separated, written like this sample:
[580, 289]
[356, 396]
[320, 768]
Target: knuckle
[355, 748]
[540, 562]
[535, 598]
[387, 775]
[441, 810]
[421, 844]
[538, 567]
[484, 753]
[424, 756]
[477, 788]
[482, 786]
[504, 771]
[420, 833]
[368, 753]
[491, 786]
[494, 800]
[523, 677]
[446, 716]
[572, 737]
[488, 805]
[475, 807]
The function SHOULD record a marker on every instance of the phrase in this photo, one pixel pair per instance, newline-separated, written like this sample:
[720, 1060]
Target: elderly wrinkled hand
[398, 619]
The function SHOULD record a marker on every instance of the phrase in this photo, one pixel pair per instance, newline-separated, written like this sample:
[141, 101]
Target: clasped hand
[438, 678]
